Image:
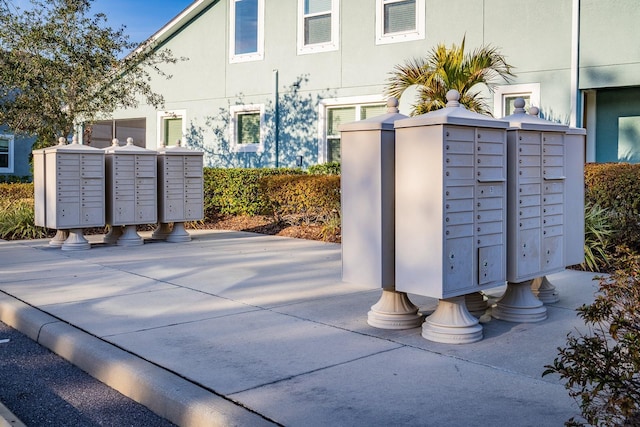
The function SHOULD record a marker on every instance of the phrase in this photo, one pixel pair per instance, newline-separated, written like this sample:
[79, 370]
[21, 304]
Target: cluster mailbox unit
[451, 189]
[180, 191]
[368, 186]
[69, 184]
[545, 182]
[131, 191]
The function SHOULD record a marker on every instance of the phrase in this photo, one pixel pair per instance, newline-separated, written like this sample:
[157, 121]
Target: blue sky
[141, 17]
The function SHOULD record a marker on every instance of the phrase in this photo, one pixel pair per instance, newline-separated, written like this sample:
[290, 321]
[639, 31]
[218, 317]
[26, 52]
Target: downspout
[276, 117]
[575, 63]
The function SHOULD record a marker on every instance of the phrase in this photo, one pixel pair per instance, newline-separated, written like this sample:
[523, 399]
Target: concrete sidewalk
[244, 329]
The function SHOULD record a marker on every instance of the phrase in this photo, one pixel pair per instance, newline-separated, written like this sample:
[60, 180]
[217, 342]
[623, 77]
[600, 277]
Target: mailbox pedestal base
[76, 241]
[130, 237]
[59, 238]
[518, 304]
[162, 231]
[179, 234]
[394, 311]
[452, 323]
[112, 236]
[544, 290]
[476, 303]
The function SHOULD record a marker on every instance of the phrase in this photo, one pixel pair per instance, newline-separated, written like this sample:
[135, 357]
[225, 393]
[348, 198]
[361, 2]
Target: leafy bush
[602, 367]
[17, 220]
[615, 188]
[597, 237]
[10, 179]
[16, 191]
[331, 168]
[306, 198]
[237, 191]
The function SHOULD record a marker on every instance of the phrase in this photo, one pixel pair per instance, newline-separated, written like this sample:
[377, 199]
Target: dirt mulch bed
[268, 225]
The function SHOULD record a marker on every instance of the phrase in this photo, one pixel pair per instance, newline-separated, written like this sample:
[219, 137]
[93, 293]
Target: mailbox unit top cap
[178, 150]
[453, 114]
[127, 149]
[521, 120]
[382, 122]
[74, 147]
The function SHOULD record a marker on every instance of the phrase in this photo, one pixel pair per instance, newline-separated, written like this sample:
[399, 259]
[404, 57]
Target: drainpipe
[276, 116]
[575, 64]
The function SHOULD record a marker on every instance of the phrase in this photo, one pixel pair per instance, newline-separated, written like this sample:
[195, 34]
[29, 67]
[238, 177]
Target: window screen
[399, 16]
[317, 21]
[4, 153]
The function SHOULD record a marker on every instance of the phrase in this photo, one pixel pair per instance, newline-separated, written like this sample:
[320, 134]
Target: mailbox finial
[392, 105]
[115, 142]
[519, 104]
[74, 139]
[129, 141]
[61, 141]
[453, 96]
[534, 111]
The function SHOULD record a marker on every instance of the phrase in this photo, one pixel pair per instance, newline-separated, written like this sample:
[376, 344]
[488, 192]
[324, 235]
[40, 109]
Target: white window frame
[170, 114]
[500, 92]
[323, 107]
[10, 167]
[332, 45]
[235, 146]
[417, 34]
[245, 57]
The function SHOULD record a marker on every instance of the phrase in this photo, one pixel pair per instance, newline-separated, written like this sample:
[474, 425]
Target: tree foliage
[60, 64]
[444, 69]
[602, 367]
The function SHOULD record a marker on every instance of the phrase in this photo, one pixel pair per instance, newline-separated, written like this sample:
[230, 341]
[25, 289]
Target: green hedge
[307, 198]
[615, 187]
[237, 191]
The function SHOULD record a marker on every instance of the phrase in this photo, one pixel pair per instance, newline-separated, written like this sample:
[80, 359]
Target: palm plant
[444, 69]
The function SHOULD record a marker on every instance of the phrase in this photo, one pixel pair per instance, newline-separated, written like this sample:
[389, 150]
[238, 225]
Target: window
[334, 113]
[247, 128]
[6, 153]
[505, 96]
[101, 133]
[171, 127]
[399, 20]
[247, 30]
[317, 26]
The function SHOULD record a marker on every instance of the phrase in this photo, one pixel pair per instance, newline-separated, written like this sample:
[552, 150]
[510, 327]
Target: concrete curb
[7, 419]
[168, 395]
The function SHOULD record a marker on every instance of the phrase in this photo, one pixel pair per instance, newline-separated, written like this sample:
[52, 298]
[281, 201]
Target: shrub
[16, 191]
[602, 367]
[306, 198]
[615, 188]
[331, 168]
[237, 191]
[11, 179]
[597, 237]
[17, 220]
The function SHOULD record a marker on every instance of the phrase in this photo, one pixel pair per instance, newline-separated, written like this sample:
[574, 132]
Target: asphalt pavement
[42, 389]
